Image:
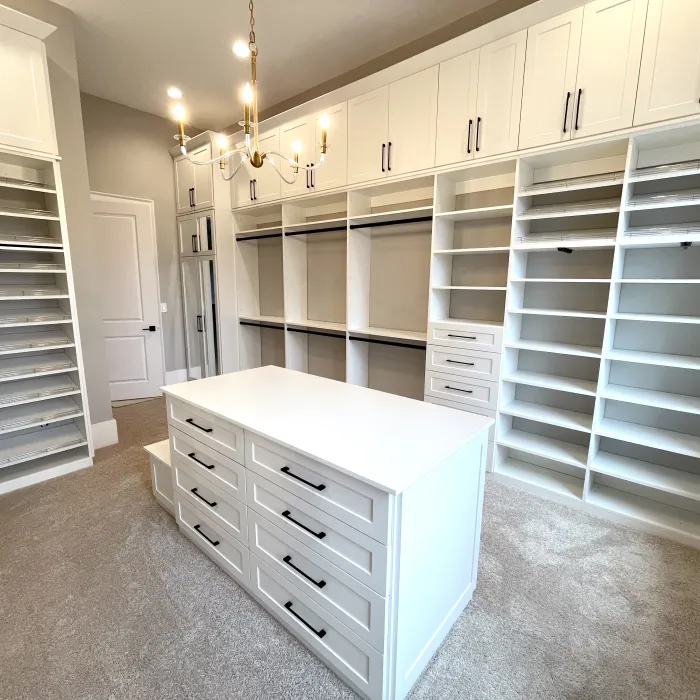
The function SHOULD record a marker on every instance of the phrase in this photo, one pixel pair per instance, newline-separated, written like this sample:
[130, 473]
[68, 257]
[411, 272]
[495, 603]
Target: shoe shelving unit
[43, 407]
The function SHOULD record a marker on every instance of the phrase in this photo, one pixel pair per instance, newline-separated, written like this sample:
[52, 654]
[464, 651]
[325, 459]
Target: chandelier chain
[251, 43]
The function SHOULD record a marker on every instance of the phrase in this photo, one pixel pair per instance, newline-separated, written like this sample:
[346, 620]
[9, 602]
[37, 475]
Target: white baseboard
[175, 377]
[105, 433]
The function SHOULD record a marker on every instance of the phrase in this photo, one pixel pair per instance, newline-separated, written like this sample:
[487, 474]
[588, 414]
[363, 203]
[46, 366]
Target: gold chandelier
[250, 149]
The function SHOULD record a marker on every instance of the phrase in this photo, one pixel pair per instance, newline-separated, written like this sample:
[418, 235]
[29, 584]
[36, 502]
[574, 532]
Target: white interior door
[130, 297]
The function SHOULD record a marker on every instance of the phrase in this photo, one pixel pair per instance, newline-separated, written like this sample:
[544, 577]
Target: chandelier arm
[237, 168]
[294, 164]
[242, 149]
[279, 172]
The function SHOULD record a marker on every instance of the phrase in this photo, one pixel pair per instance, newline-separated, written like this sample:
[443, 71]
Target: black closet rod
[262, 235]
[307, 331]
[260, 324]
[393, 343]
[316, 230]
[400, 222]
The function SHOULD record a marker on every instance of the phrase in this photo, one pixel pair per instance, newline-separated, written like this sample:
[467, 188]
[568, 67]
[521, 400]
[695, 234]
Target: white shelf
[390, 333]
[656, 318]
[470, 288]
[550, 381]
[556, 211]
[27, 185]
[587, 239]
[474, 251]
[33, 317]
[261, 319]
[549, 448]
[658, 236]
[655, 399]
[33, 267]
[28, 391]
[646, 474]
[556, 348]
[656, 438]
[653, 358]
[263, 231]
[25, 367]
[557, 312]
[547, 414]
[39, 443]
[562, 280]
[312, 226]
[37, 414]
[664, 172]
[320, 325]
[18, 213]
[664, 200]
[497, 212]
[573, 184]
[399, 216]
[548, 479]
[18, 291]
[33, 342]
[20, 241]
[656, 281]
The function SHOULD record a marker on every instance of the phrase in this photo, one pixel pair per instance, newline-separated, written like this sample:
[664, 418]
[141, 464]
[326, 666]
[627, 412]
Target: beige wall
[63, 75]
[127, 154]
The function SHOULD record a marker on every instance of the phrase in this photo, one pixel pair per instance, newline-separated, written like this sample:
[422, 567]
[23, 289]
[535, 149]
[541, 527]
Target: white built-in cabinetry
[193, 183]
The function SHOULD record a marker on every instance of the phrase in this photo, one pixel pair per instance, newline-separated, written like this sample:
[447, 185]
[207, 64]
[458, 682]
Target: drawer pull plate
[211, 504]
[211, 542]
[191, 455]
[288, 561]
[457, 362]
[318, 487]
[454, 388]
[462, 337]
[205, 430]
[287, 515]
[318, 633]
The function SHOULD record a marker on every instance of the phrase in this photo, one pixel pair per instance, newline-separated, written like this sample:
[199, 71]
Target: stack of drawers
[463, 364]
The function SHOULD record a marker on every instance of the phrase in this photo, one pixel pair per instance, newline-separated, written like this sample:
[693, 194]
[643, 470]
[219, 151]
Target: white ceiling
[130, 51]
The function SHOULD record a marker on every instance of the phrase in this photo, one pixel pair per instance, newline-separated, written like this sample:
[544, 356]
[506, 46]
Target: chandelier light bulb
[240, 48]
[296, 147]
[324, 121]
[222, 142]
[247, 94]
[175, 93]
[179, 112]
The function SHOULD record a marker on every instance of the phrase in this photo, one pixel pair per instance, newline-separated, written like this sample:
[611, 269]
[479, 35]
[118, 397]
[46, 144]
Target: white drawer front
[469, 409]
[470, 392]
[220, 507]
[470, 363]
[212, 465]
[162, 483]
[355, 605]
[351, 550]
[468, 337]
[218, 545]
[352, 658]
[362, 506]
[223, 437]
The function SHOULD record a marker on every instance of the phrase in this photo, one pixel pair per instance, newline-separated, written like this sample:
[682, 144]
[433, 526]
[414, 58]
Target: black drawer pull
[463, 337]
[318, 633]
[457, 362]
[199, 461]
[318, 487]
[287, 515]
[454, 388]
[211, 504]
[206, 430]
[288, 561]
[566, 110]
[211, 542]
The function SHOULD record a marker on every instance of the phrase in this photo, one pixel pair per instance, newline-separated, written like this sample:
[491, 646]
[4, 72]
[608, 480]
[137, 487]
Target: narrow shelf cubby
[316, 352]
[261, 344]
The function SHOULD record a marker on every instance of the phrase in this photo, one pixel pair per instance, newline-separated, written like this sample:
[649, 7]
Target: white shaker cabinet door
[608, 67]
[298, 133]
[412, 122]
[242, 183]
[368, 127]
[457, 108]
[501, 68]
[26, 116]
[203, 178]
[669, 80]
[266, 181]
[334, 171]
[550, 80]
[184, 184]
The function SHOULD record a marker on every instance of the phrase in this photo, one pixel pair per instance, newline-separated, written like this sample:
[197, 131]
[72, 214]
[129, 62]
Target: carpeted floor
[101, 598]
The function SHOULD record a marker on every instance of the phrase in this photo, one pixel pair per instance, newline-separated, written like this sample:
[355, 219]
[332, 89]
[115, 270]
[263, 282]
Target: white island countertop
[384, 440]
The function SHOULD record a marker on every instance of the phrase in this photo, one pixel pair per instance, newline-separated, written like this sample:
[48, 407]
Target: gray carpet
[100, 597]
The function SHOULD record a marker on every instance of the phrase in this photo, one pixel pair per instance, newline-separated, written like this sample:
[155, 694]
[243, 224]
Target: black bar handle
[287, 515]
[388, 157]
[463, 337]
[192, 423]
[469, 136]
[318, 633]
[383, 152]
[191, 455]
[194, 242]
[211, 504]
[478, 130]
[566, 110]
[578, 107]
[457, 362]
[191, 196]
[312, 176]
[211, 542]
[454, 388]
[318, 487]
[307, 177]
[199, 324]
[194, 197]
[250, 189]
[288, 561]
[255, 190]
[152, 329]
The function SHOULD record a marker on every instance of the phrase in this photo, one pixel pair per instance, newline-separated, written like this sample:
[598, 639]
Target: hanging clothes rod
[261, 324]
[262, 235]
[316, 230]
[308, 331]
[393, 343]
[400, 222]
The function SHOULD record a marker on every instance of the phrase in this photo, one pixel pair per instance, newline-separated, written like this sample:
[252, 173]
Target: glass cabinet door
[206, 242]
[192, 309]
[210, 318]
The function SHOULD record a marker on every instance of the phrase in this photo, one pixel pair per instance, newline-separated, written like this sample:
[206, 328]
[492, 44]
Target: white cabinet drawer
[355, 605]
[470, 392]
[216, 543]
[220, 507]
[351, 550]
[218, 434]
[469, 409]
[220, 470]
[358, 663]
[469, 363]
[361, 506]
[487, 338]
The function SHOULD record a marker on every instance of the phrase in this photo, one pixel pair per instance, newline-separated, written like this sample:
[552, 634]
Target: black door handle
[457, 362]
[211, 504]
[318, 487]
[194, 197]
[212, 542]
[255, 190]
[199, 325]
[463, 337]
[478, 129]
[578, 107]
[194, 242]
[307, 177]
[469, 136]
[454, 388]
[383, 152]
[191, 196]
[312, 176]
[388, 157]
[204, 430]
[288, 561]
[287, 515]
[191, 455]
[566, 110]
[318, 633]
[150, 328]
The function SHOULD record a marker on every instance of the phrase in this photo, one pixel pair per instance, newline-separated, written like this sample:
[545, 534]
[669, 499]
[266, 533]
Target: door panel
[550, 80]
[669, 79]
[368, 127]
[192, 309]
[210, 321]
[608, 67]
[300, 130]
[501, 68]
[187, 234]
[457, 108]
[241, 188]
[266, 186]
[334, 171]
[203, 179]
[184, 184]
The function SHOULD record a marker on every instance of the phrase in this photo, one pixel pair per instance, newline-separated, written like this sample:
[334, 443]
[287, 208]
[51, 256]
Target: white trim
[104, 434]
[14, 19]
[45, 474]
[177, 376]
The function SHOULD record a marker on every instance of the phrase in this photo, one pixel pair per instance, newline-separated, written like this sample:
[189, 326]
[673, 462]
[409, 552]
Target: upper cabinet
[26, 117]
[257, 185]
[391, 130]
[669, 80]
[194, 184]
[479, 101]
[299, 133]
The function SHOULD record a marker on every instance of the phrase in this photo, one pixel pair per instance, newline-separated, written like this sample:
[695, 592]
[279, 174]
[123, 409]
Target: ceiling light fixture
[250, 150]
